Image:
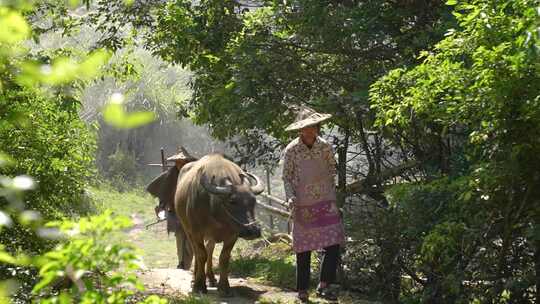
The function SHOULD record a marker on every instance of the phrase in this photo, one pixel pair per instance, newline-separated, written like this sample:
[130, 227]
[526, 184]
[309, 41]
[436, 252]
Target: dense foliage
[46, 154]
[251, 66]
[254, 63]
[436, 122]
[474, 102]
[49, 142]
[41, 134]
[461, 107]
[90, 268]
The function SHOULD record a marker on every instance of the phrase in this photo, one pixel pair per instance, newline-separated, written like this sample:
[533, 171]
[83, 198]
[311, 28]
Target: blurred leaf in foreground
[115, 114]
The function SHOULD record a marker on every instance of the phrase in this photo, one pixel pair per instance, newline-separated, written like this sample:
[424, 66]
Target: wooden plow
[163, 164]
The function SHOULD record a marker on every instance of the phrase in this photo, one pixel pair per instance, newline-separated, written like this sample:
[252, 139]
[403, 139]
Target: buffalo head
[237, 202]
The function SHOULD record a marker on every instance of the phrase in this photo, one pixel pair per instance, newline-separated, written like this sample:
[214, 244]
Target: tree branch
[362, 185]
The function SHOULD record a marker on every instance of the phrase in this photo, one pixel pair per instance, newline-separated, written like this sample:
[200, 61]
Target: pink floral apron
[316, 223]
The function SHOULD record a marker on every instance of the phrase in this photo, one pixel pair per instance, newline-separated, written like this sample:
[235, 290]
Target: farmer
[309, 171]
[164, 188]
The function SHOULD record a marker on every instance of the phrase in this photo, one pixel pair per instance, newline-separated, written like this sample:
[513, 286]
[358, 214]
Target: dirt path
[163, 279]
[175, 281]
[138, 225]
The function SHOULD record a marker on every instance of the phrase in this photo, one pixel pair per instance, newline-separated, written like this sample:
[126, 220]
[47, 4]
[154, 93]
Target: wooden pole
[163, 166]
[275, 200]
[269, 187]
[289, 228]
[276, 211]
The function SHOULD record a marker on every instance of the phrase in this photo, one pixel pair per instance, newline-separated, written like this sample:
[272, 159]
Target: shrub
[49, 142]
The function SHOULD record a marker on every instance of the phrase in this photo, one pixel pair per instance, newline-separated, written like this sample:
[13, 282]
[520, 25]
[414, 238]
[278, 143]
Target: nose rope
[237, 221]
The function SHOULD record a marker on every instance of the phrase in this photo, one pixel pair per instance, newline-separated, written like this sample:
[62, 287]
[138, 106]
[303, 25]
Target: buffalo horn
[258, 188]
[213, 188]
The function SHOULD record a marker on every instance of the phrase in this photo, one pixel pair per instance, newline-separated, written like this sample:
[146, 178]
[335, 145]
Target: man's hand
[291, 202]
[157, 209]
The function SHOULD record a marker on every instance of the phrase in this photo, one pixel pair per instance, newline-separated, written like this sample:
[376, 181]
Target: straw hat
[182, 154]
[307, 117]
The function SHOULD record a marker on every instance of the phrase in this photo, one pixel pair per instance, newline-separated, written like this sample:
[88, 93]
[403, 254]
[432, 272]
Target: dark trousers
[328, 267]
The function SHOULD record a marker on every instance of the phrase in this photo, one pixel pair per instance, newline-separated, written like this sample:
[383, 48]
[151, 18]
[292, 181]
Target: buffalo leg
[194, 256]
[209, 267]
[199, 284]
[224, 258]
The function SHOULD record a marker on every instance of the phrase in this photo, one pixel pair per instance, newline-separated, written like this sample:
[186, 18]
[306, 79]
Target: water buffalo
[215, 202]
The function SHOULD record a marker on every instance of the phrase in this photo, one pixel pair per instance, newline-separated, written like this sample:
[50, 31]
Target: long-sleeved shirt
[295, 151]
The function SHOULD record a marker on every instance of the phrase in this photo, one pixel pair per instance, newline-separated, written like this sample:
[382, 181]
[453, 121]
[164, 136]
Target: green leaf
[44, 282]
[62, 70]
[13, 26]
[211, 58]
[466, 196]
[73, 3]
[6, 258]
[65, 298]
[5, 160]
[91, 66]
[137, 119]
[114, 114]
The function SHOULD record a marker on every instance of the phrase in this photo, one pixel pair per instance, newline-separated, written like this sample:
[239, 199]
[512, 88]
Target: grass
[273, 264]
[157, 248]
[171, 298]
[191, 300]
[122, 203]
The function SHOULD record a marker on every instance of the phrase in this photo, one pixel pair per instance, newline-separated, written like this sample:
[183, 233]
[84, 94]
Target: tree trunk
[341, 195]
[537, 266]
[390, 268]
[342, 169]
[537, 270]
